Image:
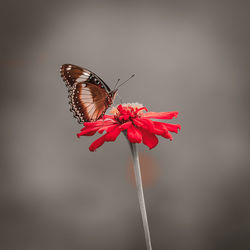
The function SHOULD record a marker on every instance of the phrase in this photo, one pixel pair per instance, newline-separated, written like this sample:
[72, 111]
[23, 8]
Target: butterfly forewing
[72, 74]
[88, 94]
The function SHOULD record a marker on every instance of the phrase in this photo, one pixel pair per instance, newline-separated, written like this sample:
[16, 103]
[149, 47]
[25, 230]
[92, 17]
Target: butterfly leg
[102, 117]
[119, 98]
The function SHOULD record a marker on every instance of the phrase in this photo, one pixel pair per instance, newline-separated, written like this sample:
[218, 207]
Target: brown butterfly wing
[72, 74]
[88, 101]
[88, 94]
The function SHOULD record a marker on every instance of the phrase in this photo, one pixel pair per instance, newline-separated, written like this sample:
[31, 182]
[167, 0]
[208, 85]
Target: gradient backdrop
[190, 56]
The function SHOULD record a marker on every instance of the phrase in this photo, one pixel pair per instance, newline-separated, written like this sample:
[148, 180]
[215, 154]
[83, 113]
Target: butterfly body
[89, 95]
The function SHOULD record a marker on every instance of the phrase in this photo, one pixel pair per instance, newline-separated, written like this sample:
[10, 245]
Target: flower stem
[138, 179]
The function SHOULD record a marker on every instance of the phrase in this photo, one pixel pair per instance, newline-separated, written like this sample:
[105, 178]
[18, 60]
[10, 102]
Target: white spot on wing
[87, 95]
[82, 78]
[90, 107]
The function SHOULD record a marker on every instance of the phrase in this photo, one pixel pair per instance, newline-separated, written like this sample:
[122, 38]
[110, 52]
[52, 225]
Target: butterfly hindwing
[87, 101]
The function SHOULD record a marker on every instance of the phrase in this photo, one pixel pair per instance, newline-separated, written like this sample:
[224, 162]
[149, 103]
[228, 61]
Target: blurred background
[190, 56]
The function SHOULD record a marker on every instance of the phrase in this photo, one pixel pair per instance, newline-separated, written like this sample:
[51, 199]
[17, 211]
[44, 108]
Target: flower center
[126, 112]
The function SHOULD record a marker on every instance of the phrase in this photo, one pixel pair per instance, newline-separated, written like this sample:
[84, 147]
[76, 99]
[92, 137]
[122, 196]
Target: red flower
[138, 126]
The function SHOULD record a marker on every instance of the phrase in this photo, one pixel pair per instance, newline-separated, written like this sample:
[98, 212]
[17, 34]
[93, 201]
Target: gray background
[190, 56]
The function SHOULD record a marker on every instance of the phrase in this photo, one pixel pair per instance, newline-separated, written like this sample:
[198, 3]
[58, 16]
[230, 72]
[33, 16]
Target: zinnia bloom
[133, 119]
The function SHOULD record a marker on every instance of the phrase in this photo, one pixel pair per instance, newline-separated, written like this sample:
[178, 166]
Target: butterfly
[89, 96]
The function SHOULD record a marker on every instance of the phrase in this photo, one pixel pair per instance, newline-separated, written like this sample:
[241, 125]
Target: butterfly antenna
[117, 82]
[125, 81]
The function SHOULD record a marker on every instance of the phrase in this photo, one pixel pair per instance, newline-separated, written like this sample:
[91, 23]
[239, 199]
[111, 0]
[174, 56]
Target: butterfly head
[111, 97]
[113, 93]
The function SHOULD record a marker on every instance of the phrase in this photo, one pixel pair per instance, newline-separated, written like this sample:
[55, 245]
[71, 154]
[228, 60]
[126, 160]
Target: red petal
[98, 123]
[112, 135]
[161, 115]
[125, 125]
[144, 123]
[124, 117]
[108, 117]
[120, 108]
[149, 139]
[138, 122]
[134, 134]
[168, 136]
[87, 132]
[161, 129]
[173, 127]
[107, 128]
[142, 108]
[97, 143]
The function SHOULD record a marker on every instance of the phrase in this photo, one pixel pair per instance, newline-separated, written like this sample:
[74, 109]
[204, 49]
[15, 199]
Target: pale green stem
[138, 179]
